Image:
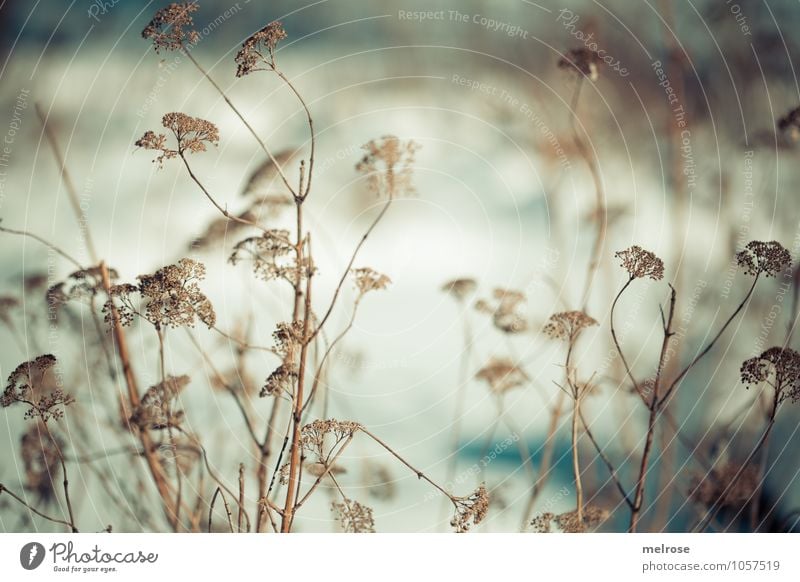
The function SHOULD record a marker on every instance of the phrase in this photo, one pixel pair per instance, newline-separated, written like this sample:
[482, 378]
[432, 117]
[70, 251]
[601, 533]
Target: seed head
[567, 325]
[354, 516]
[470, 510]
[367, 280]
[505, 307]
[31, 384]
[387, 166]
[155, 409]
[502, 375]
[641, 263]
[782, 365]
[171, 26]
[460, 289]
[259, 49]
[191, 136]
[763, 258]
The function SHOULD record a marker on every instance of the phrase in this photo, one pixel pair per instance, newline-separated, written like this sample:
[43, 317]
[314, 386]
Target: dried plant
[170, 28]
[641, 264]
[354, 516]
[32, 384]
[460, 289]
[502, 375]
[192, 135]
[505, 309]
[258, 51]
[155, 411]
[387, 165]
[568, 325]
[763, 258]
[470, 510]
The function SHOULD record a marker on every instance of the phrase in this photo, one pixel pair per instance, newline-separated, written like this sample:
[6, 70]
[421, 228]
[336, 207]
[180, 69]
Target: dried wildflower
[170, 27]
[313, 435]
[763, 258]
[542, 522]
[171, 297]
[367, 280]
[283, 474]
[82, 285]
[505, 309]
[281, 380]
[354, 517]
[40, 454]
[502, 375]
[472, 509]
[288, 339]
[31, 383]
[461, 289]
[191, 136]
[782, 364]
[790, 123]
[641, 263]
[221, 229]
[567, 325]
[719, 487]
[259, 49]
[582, 59]
[592, 517]
[272, 254]
[388, 166]
[155, 409]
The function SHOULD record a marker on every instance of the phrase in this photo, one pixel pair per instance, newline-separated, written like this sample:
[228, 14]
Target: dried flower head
[567, 325]
[782, 365]
[155, 409]
[790, 123]
[367, 280]
[719, 487]
[641, 263]
[315, 435]
[319, 469]
[32, 383]
[288, 339]
[592, 517]
[505, 307]
[354, 516]
[170, 27]
[763, 258]
[171, 297]
[387, 166]
[191, 136]
[280, 381]
[259, 49]
[470, 510]
[272, 254]
[542, 523]
[502, 375]
[581, 59]
[81, 286]
[461, 289]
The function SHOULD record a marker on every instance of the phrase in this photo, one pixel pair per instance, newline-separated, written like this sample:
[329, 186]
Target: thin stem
[241, 117]
[46, 243]
[218, 492]
[614, 335]
[65, 482]
[4, 489]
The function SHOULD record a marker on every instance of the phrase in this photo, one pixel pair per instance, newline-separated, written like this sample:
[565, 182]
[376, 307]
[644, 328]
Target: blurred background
[680, 122]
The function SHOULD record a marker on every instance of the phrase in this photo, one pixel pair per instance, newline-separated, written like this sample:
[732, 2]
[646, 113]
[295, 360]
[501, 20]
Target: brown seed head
[763, 258]
[170, 28]
[641, 263]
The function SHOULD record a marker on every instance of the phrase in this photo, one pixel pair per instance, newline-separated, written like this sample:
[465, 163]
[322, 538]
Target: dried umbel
[582, 59]
[171, 26]
[315, 436]
[470, 510]
[82, 285]
[354, 516]
[641, 264]
[192, 135]
[722, 487]
[258, 51]
[460, 289]
[31, 384]
[171, 297]
[763, 258]
[567, 325]
[280, 381]
[40, 459]
[505, 309]
[568, 522]
[272, 255]
[782, 365]
[155, 409]
[288, 339]
[367, 280]
[502, 375]
[387, 166]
